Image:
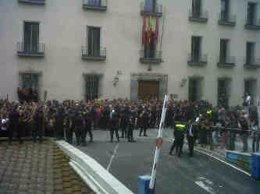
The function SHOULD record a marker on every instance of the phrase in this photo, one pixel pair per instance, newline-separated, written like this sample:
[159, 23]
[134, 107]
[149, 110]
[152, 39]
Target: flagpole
[164, 13]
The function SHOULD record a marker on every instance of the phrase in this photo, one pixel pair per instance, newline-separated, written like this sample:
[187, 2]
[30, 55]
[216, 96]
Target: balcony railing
[252, 25]
[27, 50]
[94, 55]
[197, 60]
[100, 5]
[201, 17]
[152, 57]
[252, 63]
[39, 2]
[150, 10]
[227, 20]
[227, 62]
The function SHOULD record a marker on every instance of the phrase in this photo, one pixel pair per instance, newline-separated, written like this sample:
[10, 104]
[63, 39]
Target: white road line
[216, 158]
[205, 187]
[112, 157]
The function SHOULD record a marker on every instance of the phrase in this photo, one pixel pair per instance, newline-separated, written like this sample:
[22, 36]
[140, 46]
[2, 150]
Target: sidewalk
[37, 168]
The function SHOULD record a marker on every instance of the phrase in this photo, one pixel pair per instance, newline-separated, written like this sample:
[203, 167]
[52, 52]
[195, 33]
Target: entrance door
[148, 89]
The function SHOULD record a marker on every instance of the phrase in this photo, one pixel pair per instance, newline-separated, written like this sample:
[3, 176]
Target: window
[29, 87]
[225, 10]
[92, 86]
[250, 87]
[250, 52]
[31, 37]
[223, 52]
[195, 48]
[150, 5]
[95, 3]
[196, 8]
[195, 89]
[223, 92]
[93, 41]
[251, 13]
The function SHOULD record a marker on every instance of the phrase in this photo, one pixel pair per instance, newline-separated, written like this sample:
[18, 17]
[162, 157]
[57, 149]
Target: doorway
[148, 89]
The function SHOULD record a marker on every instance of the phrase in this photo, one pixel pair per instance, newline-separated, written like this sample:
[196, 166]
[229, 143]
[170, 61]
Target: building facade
[192, 49]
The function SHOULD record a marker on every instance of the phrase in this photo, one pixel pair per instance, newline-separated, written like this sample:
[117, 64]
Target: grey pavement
[184, 175]
[37, 168]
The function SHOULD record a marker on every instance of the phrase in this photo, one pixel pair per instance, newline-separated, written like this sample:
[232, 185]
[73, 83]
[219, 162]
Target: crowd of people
[199, 121]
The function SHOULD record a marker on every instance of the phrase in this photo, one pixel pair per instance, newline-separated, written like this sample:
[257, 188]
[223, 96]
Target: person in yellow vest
[179, 132]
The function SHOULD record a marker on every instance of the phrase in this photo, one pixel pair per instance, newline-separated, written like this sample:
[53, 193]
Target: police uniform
[179, 132]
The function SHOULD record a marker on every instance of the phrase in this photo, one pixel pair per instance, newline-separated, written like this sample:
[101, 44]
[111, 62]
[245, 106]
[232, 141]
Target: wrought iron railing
[32, 1]
[150, 54]
[227, 60]
[30, 49]
[95, 4]
[227, 18]
[198, 15]
[197, 58]
[93, 54]
[253, 23]
[149, 9]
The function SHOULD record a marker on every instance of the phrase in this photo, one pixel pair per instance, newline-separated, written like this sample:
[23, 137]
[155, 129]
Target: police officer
[87, 127]
[38, 124]
[77, 125]
[13, 125]
[131, 125]
[144, 118]
[114, 124]
[190, 134]
[180, 129]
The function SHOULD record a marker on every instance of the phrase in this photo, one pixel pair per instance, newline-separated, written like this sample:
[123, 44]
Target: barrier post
[146, 183]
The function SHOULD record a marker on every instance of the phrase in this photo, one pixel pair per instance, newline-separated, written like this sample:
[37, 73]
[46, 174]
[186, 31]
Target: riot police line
[120, 117]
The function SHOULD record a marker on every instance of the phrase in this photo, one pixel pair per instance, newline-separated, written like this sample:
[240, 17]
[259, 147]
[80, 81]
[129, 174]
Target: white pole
[157, 149]
[258, 110]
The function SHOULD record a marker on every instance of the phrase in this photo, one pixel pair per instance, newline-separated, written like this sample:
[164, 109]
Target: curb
[91, 172]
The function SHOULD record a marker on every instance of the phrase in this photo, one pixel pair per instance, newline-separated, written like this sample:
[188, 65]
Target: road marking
[112, 157]
[216, 158]
[205, 184]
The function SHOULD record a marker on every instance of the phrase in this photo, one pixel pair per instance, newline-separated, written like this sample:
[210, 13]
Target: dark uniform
[179, 132]
[77, 126]
[87, 128]
[38, 125]
[114, 124]
[191, 137]
[13, 125]
[131, 125]
[144, 118]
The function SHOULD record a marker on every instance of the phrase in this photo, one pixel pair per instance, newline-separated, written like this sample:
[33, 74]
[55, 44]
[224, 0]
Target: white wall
[63, 30]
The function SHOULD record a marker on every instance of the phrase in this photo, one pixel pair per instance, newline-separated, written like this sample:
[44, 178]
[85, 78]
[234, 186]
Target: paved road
[184, 175]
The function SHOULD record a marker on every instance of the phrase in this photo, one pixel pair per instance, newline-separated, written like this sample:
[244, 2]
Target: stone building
[74, 49]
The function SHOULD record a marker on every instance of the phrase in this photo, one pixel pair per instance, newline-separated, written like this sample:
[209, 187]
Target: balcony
[93, 55]
[30, 50]
[252, 64]
[228, 62]
[38, 2]
[199, 61]
[198, 16]
[227, 20]
[99, 5]
[149, 10]
[252, 25]
[153, 57]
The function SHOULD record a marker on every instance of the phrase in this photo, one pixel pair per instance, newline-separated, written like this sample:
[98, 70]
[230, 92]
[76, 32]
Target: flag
[156, 33]
[150, 30]
[144, 31]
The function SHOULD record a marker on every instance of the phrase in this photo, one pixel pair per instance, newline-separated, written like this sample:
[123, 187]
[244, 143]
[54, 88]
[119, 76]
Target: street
[184, 175]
